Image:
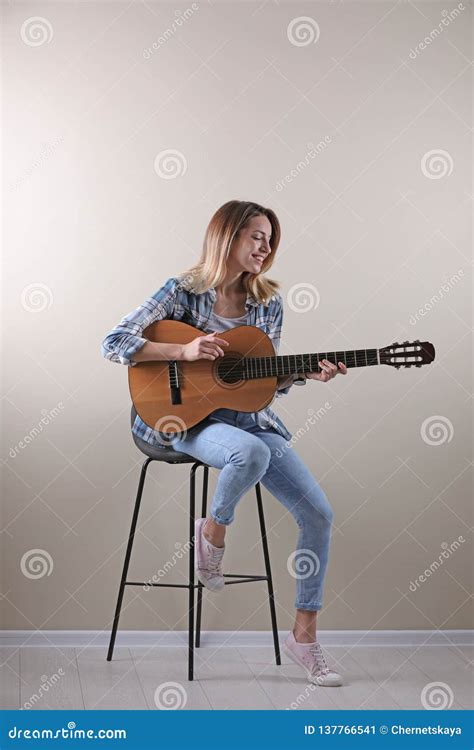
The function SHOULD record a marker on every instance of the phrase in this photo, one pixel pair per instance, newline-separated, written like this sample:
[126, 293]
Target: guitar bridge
[175, 388]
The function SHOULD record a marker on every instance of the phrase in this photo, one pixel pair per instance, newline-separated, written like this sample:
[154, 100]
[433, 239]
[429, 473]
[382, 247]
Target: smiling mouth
[258, 258]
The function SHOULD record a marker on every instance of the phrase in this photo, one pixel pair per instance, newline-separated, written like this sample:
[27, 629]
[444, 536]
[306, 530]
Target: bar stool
[171, 456]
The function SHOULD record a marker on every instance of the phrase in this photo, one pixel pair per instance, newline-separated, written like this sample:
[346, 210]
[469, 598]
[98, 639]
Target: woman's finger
[211, 349]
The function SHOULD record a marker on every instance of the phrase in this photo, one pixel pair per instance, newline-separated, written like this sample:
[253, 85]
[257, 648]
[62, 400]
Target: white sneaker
[207, 559]
[310, 657]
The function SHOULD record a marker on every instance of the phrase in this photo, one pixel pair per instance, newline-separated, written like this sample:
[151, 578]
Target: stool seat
[162, 452]
[159, 452]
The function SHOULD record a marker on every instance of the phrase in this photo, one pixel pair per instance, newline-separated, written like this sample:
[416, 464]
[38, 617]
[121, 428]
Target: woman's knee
[319, 509]
[252, 454]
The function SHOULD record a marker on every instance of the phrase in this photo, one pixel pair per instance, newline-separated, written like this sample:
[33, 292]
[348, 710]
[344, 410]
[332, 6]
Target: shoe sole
[310, 677]
[206, 583]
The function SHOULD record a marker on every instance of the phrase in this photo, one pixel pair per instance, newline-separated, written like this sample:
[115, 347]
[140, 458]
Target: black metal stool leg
[127, 557]
[200, 586]
[192, 514]
[268, 573]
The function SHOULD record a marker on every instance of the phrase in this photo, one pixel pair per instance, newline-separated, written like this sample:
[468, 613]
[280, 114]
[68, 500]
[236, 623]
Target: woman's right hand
[204, 347]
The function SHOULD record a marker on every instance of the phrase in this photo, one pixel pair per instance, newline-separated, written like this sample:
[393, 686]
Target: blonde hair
[223, 228]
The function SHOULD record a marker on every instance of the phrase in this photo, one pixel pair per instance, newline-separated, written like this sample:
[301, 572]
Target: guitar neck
[293, 364]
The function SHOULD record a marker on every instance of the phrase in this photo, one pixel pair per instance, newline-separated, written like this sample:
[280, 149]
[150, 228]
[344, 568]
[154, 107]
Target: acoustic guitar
[173, 395]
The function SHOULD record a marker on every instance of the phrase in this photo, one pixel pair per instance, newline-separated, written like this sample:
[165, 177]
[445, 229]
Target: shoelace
[320, 667]
[215, 558]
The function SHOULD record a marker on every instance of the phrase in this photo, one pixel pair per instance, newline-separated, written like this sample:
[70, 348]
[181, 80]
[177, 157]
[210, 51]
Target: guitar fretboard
[292, 364]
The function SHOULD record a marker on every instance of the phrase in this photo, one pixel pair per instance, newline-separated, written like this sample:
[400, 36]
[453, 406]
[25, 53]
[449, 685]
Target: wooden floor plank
[9, 678]
[298, 693]
[109, 685]
[444, 664]
[394, 671]
[49, 679]
[158, 667]
[360, 690]
[288, 688]
[228, 681]
[228, 678]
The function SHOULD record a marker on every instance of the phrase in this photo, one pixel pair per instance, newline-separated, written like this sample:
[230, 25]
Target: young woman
[228, 287]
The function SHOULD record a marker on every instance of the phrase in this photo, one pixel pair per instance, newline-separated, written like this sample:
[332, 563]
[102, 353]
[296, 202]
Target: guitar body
[200, 389]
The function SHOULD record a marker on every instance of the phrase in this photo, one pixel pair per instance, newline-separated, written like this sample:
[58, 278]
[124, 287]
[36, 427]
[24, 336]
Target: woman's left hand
[328, 371]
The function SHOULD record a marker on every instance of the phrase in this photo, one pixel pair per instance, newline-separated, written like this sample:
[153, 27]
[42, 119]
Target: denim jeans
[246, 453]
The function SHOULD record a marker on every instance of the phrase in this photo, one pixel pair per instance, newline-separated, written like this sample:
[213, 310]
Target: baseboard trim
[250, 638]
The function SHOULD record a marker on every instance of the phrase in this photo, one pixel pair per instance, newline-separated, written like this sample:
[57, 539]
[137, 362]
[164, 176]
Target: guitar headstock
[408, 354]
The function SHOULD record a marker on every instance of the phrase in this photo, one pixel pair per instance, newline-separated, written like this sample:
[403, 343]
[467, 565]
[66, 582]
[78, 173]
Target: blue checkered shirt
[175, 300]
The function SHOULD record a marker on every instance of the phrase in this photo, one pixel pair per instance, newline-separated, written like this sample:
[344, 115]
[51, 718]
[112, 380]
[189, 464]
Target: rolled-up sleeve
[126, 338]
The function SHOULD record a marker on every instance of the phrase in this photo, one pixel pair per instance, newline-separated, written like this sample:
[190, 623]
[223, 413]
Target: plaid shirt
[176, 301]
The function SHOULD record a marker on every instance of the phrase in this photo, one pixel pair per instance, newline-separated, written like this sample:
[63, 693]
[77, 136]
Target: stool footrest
[248, 579]
[241, 579]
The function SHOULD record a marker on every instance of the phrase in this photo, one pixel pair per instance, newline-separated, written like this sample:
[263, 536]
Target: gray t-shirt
[219, 323]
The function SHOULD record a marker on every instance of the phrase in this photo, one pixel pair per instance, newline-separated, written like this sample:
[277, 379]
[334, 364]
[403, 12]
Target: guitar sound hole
[229, 369]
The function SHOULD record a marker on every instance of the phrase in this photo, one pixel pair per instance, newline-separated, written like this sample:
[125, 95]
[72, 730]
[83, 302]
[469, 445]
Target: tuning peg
[406, 342]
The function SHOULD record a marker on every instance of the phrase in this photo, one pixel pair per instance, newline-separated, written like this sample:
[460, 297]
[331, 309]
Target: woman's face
[251, 245]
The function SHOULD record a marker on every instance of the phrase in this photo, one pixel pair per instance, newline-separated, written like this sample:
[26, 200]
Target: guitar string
[257, 367]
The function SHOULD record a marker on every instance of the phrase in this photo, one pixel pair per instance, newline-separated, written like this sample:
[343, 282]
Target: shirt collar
[250, 300]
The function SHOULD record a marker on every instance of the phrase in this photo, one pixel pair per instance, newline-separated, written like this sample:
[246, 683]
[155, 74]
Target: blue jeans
[246, 453]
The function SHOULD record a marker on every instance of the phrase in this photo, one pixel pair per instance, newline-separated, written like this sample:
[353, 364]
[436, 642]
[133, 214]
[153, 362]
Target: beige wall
[376, 226]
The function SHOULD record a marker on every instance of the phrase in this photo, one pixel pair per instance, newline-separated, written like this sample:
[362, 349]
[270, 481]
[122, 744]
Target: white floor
[228, 678]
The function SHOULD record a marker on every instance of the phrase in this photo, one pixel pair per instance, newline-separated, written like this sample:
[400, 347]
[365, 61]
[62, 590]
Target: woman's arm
[154, 350]
[125, 343]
